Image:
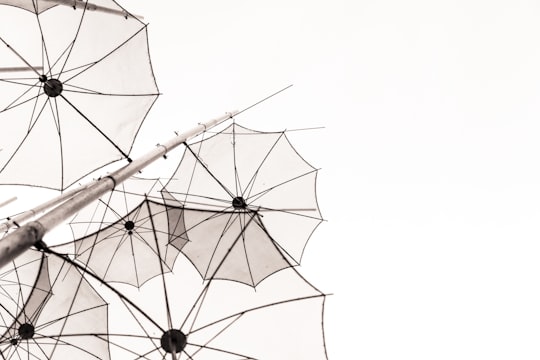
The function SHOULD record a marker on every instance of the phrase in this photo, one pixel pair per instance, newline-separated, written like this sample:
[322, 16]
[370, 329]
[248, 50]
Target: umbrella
[240, 176]
[49, 311]
[86, 89]
[127, 230]
[176, 316]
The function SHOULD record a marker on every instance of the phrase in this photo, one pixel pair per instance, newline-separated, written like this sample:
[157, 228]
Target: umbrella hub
[173, 341]
[129, 225]
[52, 87]
[239, 203]
[26, 331]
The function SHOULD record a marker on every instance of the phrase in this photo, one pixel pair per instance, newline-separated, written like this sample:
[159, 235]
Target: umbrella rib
[65, 317]
[95, 127]
[58, 340]
[227, 226]
[71, 305]
[209, 172]
[44, 51]
[206, 287]
[19, 56]
[34, 108]
[24, 139]
[93, 92]
[216, 335]
[72, 44]
[276, 245]
[245, 250]
[251, 182]
[142, 327]
[92, 64]
[13, 104]
[256, 308]
[17, 81]
[104, 283]
[169, 319]
[267, 190]
[236, 177]
[99, 336]
[32, 292]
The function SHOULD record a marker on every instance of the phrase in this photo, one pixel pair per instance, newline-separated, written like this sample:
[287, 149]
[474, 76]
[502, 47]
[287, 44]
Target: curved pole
[29, 234]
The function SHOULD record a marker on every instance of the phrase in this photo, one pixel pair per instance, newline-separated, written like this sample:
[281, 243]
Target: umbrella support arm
[21, 239]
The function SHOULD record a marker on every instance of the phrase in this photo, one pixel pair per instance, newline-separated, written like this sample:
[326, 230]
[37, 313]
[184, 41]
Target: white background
[429, 158]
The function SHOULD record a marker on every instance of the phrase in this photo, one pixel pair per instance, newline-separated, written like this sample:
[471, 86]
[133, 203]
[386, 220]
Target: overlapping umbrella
[49, 311]
[176, 316]
[84, 86]
[75, 89]
[240, 176]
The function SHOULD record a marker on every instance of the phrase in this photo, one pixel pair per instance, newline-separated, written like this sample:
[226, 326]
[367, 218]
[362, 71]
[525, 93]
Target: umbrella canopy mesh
[83, 87]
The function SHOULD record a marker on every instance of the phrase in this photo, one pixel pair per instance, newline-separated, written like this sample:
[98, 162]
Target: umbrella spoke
[86, 68]
[19, 56]
[95, 127]
[25, 137]
[256, 172]
[15, 103]
[205, 167]
[75, 38]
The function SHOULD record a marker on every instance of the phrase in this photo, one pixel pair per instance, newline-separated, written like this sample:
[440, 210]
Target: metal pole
[20, 68]
[20, 219]
[29, 234]
[77, 4]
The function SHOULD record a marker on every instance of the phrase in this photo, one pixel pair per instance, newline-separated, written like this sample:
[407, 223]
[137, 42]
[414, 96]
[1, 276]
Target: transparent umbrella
[176, 316]
[238, 177]
[49, 311]
[84, 87]
[120, 235]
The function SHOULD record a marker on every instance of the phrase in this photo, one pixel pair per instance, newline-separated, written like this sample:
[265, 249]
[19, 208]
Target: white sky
[429, 156]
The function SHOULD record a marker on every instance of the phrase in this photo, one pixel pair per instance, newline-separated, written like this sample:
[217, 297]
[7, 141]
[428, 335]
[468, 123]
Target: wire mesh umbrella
[86, 89]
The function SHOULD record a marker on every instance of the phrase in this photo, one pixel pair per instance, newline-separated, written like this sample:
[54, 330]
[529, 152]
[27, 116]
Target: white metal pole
[31, 233]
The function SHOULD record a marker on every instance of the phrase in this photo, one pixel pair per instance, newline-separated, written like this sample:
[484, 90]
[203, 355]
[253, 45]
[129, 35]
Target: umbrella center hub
[52, 87]
[239, 203]
[26, 331]
[173, 341]
[129, 225]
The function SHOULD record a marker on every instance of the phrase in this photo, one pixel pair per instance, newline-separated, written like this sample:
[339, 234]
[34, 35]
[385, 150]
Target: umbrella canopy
[86, 89]
[50, 311]
[176, 316]
[125, 250]
[119, 236]
[239, 177]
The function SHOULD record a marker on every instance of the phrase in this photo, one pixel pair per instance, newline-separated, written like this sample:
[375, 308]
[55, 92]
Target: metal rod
[93, 7]
[29, 234]
[8, 201]
[20, 68]
[20, 219]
